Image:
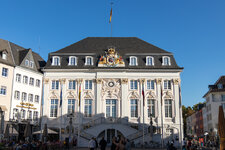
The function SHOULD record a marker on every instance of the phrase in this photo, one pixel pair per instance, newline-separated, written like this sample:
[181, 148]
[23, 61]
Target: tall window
[150, 84]
[17, 95]
[133, 84]
[25, 79]
[56, 61]
[31, 81]
[23, 113]
[72, 84]
[88, 108]
[4, 72]
[134, 108]
[3, 90]
[166, 61]
[71, 106]
[223, 105]
[55, 84]
[29, 114]
[111, 108]
[36, 99]
[18, 77]
[35, 115]
[72, 61]
[30, 97]
[168, 108]
[38, 83]
[54, 108]
[151, 107]
[24, 96]
[149, 61]
[223, 97]
[167, 84]
[4, 55]
[133, 61]
[15, 113]
[89, 60]
[88, 84]
[27, 62]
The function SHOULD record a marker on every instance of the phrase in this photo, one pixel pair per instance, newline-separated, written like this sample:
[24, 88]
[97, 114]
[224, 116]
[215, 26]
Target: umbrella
[221, 128]
[45, 133]
[27, 131]
[49, 132]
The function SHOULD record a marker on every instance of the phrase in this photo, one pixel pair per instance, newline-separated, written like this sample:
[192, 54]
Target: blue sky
[194, 30]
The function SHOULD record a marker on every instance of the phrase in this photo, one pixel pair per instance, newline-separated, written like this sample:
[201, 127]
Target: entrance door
[111, 108]
[110, 135]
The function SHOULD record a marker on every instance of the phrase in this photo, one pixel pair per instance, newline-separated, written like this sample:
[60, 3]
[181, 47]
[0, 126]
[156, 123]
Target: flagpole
[143, 113]
[61, 112]
[162, 142]
[78, 134]
[110, 20]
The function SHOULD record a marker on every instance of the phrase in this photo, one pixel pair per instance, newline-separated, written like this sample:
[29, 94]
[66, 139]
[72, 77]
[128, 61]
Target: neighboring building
[6, 78]
[204, 114]
[25, 91]
[103, 79]
[214, 98]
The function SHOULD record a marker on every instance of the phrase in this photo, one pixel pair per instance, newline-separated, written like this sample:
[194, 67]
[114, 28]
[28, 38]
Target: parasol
[221, 128]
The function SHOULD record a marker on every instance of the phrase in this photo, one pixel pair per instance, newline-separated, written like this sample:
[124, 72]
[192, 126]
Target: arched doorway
[108, 134]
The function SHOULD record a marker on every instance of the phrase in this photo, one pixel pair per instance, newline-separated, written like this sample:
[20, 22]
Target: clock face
[111, 84]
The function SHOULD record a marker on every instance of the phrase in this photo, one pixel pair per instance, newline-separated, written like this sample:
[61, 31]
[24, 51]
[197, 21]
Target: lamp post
[70, 116]
[151, 128]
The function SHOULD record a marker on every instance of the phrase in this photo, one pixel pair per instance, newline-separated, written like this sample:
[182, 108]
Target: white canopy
[49, 132]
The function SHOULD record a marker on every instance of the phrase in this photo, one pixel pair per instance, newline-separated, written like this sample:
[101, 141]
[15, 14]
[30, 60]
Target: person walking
[92, 144]
[103, 143]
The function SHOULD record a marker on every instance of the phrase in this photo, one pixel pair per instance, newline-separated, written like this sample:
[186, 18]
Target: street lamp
[70, 116]
[151, 128]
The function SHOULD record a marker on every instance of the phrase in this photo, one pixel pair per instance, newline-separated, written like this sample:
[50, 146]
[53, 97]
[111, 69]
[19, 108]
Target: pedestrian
[103, 143]
[92, 144]
[96, 143]
[114, 142]
[184, 144]
[128, 145]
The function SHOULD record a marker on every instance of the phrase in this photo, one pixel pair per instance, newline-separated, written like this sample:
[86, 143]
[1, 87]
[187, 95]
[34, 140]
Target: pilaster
[124, 98]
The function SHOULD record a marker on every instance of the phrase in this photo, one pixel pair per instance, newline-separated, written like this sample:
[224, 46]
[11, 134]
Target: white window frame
[71, 103]
[38, 83]
[27, 62]
[35, 115]
[70, 61]
[5, 72]
[151, 107]
[169, 106]
[150, 84]
[18, 77]
[167, 84]
[3, 90]
[110, 104]
[131, 61]
[54, 62]
[163, 61]
[17, 95]
[23, 114]
[25, 79]
[147, 61]
[136, 107]
[31, 64]
[29, 114]
[54, 84]
[31, 81]
[36, 98]
[88, 84]
[88, 63]
[30, 97]
[72, 84]
[24, 96]
[4, 55]
[88, 104]
[132, 84]
[54, 104]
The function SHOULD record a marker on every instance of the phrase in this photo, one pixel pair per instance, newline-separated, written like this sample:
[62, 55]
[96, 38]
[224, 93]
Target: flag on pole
[161, 94]
[79, 94]
[143, 94]
[60, 104]
[110, 18]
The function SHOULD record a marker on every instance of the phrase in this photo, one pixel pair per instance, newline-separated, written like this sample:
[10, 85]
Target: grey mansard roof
[125, 46]
[16, 56]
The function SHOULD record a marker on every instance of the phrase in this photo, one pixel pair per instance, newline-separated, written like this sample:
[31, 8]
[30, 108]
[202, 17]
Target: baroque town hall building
[96, 88]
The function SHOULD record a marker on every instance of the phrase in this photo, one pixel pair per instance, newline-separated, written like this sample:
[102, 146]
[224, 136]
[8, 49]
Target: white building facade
[92, 89]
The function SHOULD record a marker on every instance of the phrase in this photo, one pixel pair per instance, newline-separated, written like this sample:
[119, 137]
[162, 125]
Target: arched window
[88, 60]
[133, 61]
[166, 61]
[72, 61]
[151, 107]
[149, 61]
[55, 61]
[133, 108]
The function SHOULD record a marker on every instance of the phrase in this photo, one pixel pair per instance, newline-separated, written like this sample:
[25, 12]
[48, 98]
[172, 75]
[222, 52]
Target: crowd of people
[119, 143]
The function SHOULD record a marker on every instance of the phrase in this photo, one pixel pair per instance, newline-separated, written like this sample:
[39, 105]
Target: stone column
[124, 100]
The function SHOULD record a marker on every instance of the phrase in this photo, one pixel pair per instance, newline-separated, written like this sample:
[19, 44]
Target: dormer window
[149, 61]
[89, 60]
[55, 61]
[133, 61]
[27, 63]
[4, 55]
[72, 61]
[166, 61]
[31, 64]
[220, 86]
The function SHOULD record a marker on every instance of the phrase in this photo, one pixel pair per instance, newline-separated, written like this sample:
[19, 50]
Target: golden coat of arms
[111, 59]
